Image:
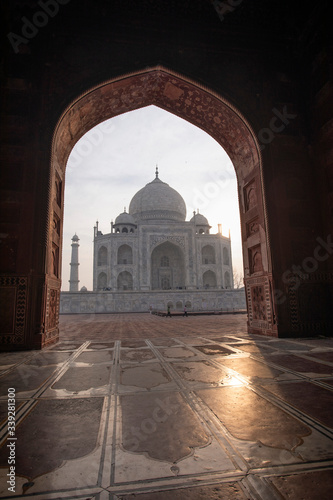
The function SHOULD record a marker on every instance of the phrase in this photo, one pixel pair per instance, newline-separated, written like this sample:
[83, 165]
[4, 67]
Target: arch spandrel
[170, 92]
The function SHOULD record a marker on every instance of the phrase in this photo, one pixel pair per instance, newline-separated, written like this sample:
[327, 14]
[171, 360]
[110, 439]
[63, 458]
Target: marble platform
[144, 407]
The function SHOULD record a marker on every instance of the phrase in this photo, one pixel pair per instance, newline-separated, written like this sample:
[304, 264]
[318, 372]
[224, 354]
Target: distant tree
[238, 279]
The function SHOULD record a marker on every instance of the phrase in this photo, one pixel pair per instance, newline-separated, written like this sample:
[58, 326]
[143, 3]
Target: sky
[118, 157]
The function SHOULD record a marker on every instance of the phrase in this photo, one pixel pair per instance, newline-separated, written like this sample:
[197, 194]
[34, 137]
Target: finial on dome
[124, 210]
[156, 171]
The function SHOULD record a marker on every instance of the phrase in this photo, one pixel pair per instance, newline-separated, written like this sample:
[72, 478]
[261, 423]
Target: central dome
[158, 201]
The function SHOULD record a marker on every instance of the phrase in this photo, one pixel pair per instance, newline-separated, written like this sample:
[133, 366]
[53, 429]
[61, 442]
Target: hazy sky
[110, 163]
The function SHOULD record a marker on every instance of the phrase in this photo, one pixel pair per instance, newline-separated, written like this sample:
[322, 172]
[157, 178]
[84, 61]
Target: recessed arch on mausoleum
[208, 254]
[101, 281]
[171, 276]
[102, 256]
[125, 281]
[209, 279]
[125, 254]
[226, 257]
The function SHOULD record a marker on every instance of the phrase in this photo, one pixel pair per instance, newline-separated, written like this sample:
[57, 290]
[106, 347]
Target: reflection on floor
[140, 406]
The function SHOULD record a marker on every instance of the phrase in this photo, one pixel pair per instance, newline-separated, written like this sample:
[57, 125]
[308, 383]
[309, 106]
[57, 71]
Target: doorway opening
[208, 111]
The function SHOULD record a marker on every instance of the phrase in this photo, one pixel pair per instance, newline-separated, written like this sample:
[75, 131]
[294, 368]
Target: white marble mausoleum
[153, 257]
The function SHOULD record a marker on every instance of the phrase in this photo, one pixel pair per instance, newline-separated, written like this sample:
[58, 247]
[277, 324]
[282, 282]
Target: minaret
[74, 277]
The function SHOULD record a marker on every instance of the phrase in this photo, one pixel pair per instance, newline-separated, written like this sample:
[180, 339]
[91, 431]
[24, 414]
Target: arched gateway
[201, 107]
[208, 111]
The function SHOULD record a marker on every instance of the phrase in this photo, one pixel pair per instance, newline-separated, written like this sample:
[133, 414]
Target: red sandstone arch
[208, 111]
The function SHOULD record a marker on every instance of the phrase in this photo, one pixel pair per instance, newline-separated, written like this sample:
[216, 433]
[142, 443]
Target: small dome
[199, 220]
[75, 237]
[124, 218]
[158, 201]
[84, 289]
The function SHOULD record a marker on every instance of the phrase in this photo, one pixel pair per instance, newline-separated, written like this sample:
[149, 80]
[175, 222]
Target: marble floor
[144, 407]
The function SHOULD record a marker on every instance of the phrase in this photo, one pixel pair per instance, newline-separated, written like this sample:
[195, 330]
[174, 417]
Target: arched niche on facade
[209, 279]
[125, 255]
[208, 254]
[125, 281]
[203, 108]
[102, 257]
[227, 279]
[226, 258]
[167, 267]
[101, 281]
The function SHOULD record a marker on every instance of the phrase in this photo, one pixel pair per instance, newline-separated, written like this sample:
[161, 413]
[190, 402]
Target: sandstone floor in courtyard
[136, 406]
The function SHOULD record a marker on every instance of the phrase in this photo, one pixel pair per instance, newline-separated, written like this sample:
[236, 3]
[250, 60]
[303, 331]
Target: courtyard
[148, 407]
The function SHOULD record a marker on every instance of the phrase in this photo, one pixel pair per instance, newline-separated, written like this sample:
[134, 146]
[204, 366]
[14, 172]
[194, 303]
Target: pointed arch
[208, 254]
[125, 281]
[125, 255]
[207, 110]
[209, 279]
[102, 258]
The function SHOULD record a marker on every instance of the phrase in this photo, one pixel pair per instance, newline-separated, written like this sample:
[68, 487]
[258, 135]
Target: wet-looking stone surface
[127, 415]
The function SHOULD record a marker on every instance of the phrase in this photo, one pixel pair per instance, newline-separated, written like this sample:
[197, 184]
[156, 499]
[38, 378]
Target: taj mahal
[154, 258]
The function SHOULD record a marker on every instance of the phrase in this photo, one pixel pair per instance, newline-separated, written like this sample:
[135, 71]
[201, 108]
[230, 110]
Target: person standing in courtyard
[185, 311]
[168, 312]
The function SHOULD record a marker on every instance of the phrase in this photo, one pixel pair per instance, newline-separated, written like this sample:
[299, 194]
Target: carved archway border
[156, 241]
[207, 110]
[171, 91]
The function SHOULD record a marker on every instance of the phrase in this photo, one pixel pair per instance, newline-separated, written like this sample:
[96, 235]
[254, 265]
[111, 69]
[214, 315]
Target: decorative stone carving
[252, 227]
[172, 92]
[250, 196]
[156, 240]
[255, 259]
[58, 189]
[55, 260]
[258, 303]
[17, 287]
[53, 304]
[56, 223]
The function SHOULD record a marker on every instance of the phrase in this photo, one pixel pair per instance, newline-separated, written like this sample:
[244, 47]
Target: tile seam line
[282, 368]
[284, 406]
[114, 389]
[287, 469]
[61, 370]
[204, 416]
[290, 409]
[15, 365]
[33, 400]
[174, 483]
